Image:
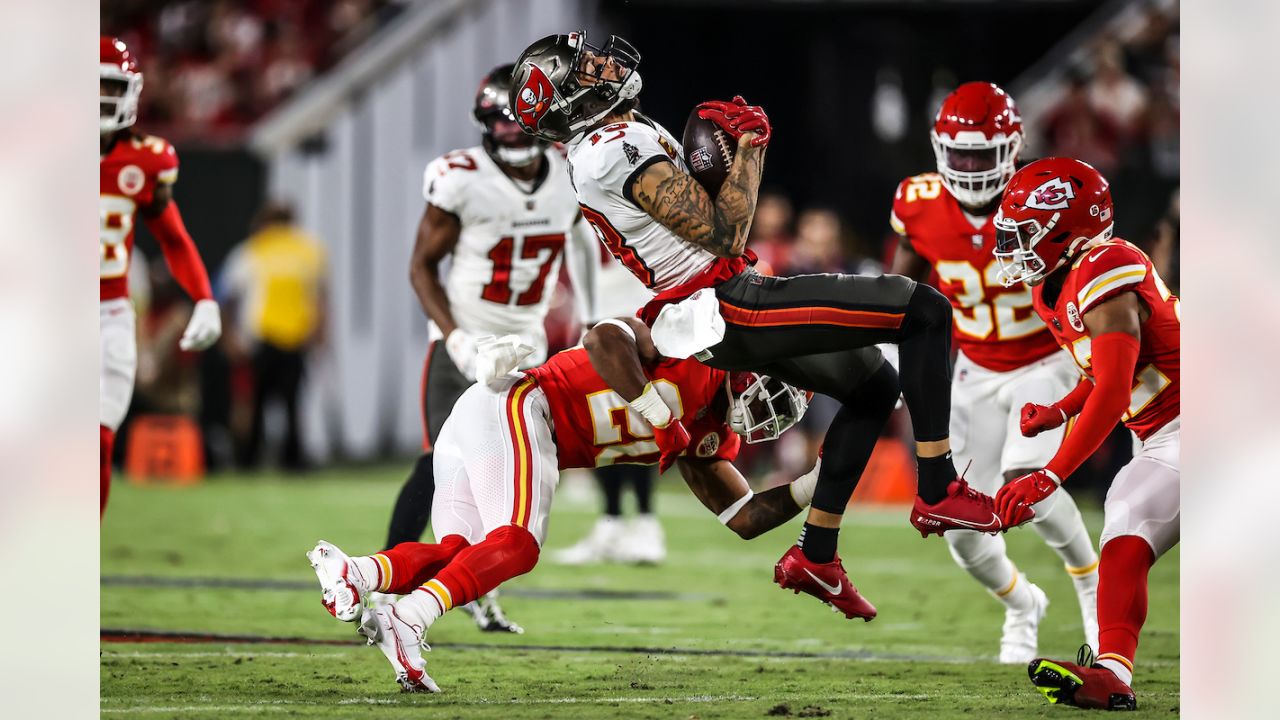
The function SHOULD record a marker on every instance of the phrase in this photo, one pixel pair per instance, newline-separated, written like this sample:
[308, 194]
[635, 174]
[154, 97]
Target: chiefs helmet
[761, 408]
[1051, 209]
[503, 137]
[976, 137]
[563, 85]
[120, 85]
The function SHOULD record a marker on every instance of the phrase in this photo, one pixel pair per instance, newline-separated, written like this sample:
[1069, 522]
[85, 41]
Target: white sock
[421, 607]
[366, 572]
[1120, 669]
[1059, 524]
[985, 557]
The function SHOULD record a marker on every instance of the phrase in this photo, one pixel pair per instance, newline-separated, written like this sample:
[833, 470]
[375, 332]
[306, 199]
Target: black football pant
[442, 385]
[818, 332]
[277, 373]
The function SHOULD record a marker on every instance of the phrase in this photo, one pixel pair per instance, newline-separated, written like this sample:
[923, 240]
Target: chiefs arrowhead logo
[534, 99]
[1054, 194]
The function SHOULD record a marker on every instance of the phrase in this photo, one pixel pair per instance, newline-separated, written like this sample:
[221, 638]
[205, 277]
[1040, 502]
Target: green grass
[930, 652]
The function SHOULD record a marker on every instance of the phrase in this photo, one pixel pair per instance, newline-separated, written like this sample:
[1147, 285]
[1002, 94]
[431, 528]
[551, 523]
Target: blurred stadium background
[329, 111]
[335, 108]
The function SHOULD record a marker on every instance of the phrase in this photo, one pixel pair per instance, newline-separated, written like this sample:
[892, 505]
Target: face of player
[971, 160]
[599, 68]
[507, 133]
[109, 88]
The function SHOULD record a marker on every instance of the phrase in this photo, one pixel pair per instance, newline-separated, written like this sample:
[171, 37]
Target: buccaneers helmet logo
[1054, 194]
[534, 98]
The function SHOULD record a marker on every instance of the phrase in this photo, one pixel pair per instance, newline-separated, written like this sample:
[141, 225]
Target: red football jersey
[130, 173]
[595, 427]
[993, 326]
[1105, 271]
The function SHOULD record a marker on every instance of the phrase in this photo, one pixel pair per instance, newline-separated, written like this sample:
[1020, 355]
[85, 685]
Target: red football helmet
[120, 85]
[1051, 209]
[976, 137]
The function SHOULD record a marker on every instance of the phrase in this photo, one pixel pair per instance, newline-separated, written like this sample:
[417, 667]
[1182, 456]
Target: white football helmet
[761, 408]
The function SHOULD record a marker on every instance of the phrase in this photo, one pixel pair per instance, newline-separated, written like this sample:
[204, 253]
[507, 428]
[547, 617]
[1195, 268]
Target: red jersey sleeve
[1107, 271]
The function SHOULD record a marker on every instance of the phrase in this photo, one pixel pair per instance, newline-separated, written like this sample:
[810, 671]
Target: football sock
[935, 474]
[924, 356]
[818, 543]
[509, 551]
[106, 440]
[1122, 602]
[408, 565]
[986, 558]
[1059, 524]
[610, 479]
[851, 438]
[413, 506]
[642, 477]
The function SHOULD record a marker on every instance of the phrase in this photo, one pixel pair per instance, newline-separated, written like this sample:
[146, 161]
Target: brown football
[708, 151]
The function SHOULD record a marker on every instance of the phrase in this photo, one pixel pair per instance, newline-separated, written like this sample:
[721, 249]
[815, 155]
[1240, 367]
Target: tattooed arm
[673, 198]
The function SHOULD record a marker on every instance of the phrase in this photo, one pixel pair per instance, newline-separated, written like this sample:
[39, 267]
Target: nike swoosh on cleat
[833, 590]
[994, 523]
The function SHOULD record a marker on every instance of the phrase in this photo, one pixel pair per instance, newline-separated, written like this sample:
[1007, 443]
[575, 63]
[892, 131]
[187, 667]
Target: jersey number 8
[116, 215]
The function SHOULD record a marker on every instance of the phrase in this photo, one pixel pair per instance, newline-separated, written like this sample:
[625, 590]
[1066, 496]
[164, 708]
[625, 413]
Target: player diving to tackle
[816, 332]
[137, 173]
[1107, 306]
[1006, 358]
[503, 215]
[498, 461]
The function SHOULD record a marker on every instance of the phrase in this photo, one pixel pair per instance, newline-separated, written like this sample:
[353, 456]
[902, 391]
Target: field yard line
[287, 704]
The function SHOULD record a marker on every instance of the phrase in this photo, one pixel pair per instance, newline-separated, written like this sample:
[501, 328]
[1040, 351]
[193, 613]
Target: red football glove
[672, 441]
[1038, 418]
[737, 118]
[1016, 498]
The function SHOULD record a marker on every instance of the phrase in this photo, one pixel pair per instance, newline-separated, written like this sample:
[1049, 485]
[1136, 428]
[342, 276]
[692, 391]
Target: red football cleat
[962, 509]
[1083, 685]
[826, 581]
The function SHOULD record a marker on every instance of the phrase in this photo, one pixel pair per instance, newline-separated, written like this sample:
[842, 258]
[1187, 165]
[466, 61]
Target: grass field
[707, 635]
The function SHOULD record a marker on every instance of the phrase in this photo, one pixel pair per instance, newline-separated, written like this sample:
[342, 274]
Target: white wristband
[652, 407]
[1053, 476]
[733, 510]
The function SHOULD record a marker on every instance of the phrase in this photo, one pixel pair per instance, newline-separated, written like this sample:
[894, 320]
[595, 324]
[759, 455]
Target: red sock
[409, 564]
[1122, 595]
[509, 551]
[106, 440]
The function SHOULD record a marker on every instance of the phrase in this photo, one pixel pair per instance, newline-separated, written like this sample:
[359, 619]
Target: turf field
[707, 635]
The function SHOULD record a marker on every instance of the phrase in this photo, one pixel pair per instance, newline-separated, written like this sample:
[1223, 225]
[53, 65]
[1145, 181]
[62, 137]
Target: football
[708, 151]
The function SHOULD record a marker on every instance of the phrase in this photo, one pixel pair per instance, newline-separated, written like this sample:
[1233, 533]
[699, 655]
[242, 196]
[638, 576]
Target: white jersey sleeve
[445, 181]
[604, 164]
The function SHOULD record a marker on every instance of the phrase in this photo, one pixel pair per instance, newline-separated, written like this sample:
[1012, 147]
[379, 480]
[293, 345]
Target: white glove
[495, 357]
[461, 347]
[204, 328]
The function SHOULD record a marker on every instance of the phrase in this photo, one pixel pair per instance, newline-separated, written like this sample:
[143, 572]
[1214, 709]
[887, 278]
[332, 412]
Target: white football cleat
[402, 644]
[643, 542]
[1087, 592]
[1019, 639]
[602, 544]
[343, 588]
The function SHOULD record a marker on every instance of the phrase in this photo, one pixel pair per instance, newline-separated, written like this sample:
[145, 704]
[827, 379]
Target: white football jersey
[503, 271]
[603, 165]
